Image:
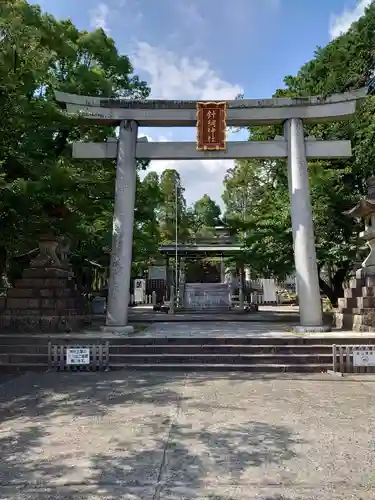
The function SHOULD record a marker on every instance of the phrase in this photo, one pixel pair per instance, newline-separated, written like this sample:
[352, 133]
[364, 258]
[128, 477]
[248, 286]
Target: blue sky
[211, 49]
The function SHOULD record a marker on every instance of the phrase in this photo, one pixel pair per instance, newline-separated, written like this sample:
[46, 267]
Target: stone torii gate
[293, 146]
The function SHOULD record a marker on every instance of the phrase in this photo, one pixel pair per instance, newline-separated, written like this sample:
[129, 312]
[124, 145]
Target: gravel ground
[139, 436]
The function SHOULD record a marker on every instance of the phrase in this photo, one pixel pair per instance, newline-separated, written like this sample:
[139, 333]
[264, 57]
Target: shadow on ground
[28, 404]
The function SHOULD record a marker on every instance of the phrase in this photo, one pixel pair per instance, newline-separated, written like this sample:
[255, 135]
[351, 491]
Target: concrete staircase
[256, 354]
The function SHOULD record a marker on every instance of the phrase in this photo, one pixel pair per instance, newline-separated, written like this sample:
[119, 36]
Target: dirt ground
[147, 436]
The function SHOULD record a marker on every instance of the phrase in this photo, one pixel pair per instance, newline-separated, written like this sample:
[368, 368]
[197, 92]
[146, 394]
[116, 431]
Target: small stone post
[241, 289]
[222, 269]
[172, 300]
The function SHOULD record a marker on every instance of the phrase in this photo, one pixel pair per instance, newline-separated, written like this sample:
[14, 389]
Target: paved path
[216, 329]
[266, 313]
[140, 436]
[240, 329]
[205, 329]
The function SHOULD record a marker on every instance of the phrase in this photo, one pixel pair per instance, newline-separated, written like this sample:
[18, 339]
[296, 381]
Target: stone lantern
[356, 311]
[365, 209]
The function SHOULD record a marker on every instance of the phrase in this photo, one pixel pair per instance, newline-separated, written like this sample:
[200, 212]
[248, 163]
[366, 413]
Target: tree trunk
[335, 291]
[3, 266]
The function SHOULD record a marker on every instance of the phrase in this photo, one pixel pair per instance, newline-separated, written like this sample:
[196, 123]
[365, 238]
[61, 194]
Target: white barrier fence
[147, 299]
[255, 298]
[353, 358]
[265, 291]
[260, 299]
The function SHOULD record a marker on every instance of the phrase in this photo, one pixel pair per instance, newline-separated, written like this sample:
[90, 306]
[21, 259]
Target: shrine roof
[200, 250]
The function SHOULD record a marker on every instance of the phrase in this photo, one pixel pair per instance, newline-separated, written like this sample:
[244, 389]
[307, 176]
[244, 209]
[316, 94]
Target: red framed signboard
[211, 126]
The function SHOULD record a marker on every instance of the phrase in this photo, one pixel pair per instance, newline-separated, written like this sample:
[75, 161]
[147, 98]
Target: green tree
[42, 188]
[172, 208]
[204, 215]
[257, 208]
[147, 230]
[344, 64]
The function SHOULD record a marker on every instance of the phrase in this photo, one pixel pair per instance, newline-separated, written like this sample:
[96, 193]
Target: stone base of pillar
[312, 329]
[356, 310]
[117, 330]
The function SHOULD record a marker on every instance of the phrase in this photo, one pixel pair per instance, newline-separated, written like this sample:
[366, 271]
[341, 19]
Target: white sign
[361, 357]
[139, 291]
[78, 356]
[269, 290]
[139, 284]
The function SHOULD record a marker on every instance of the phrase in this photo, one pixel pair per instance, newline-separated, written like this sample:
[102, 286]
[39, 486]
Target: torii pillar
[303, 230]
[122, 232]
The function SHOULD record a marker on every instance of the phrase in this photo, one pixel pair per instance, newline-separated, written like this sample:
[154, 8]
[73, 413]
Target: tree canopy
[42, 188]
[256, 193]
[203, 216]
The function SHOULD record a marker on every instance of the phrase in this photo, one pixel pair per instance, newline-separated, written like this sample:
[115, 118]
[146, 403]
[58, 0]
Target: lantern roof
[366, 206]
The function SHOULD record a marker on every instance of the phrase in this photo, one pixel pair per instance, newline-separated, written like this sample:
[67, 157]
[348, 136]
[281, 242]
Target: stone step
[24, 349]
[224, 358]
[19, 359]
[181, 341]
[251, 354]
[206, 285]
[126, 358]
[265, 368]
[225, 349]
[205, 309]
[169, 349]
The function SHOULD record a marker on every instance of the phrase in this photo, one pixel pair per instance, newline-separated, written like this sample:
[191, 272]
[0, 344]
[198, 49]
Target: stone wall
[44, 300]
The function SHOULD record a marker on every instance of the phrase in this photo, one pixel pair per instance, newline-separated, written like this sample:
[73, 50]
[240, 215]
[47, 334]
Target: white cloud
[198, 177]
[174, 77]
[99, 17]
[340, 23]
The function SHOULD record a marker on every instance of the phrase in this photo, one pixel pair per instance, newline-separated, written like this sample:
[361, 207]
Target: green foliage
[42, 188]
[253, 196]
[203, 216]
[172, 209]
[256, 193]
